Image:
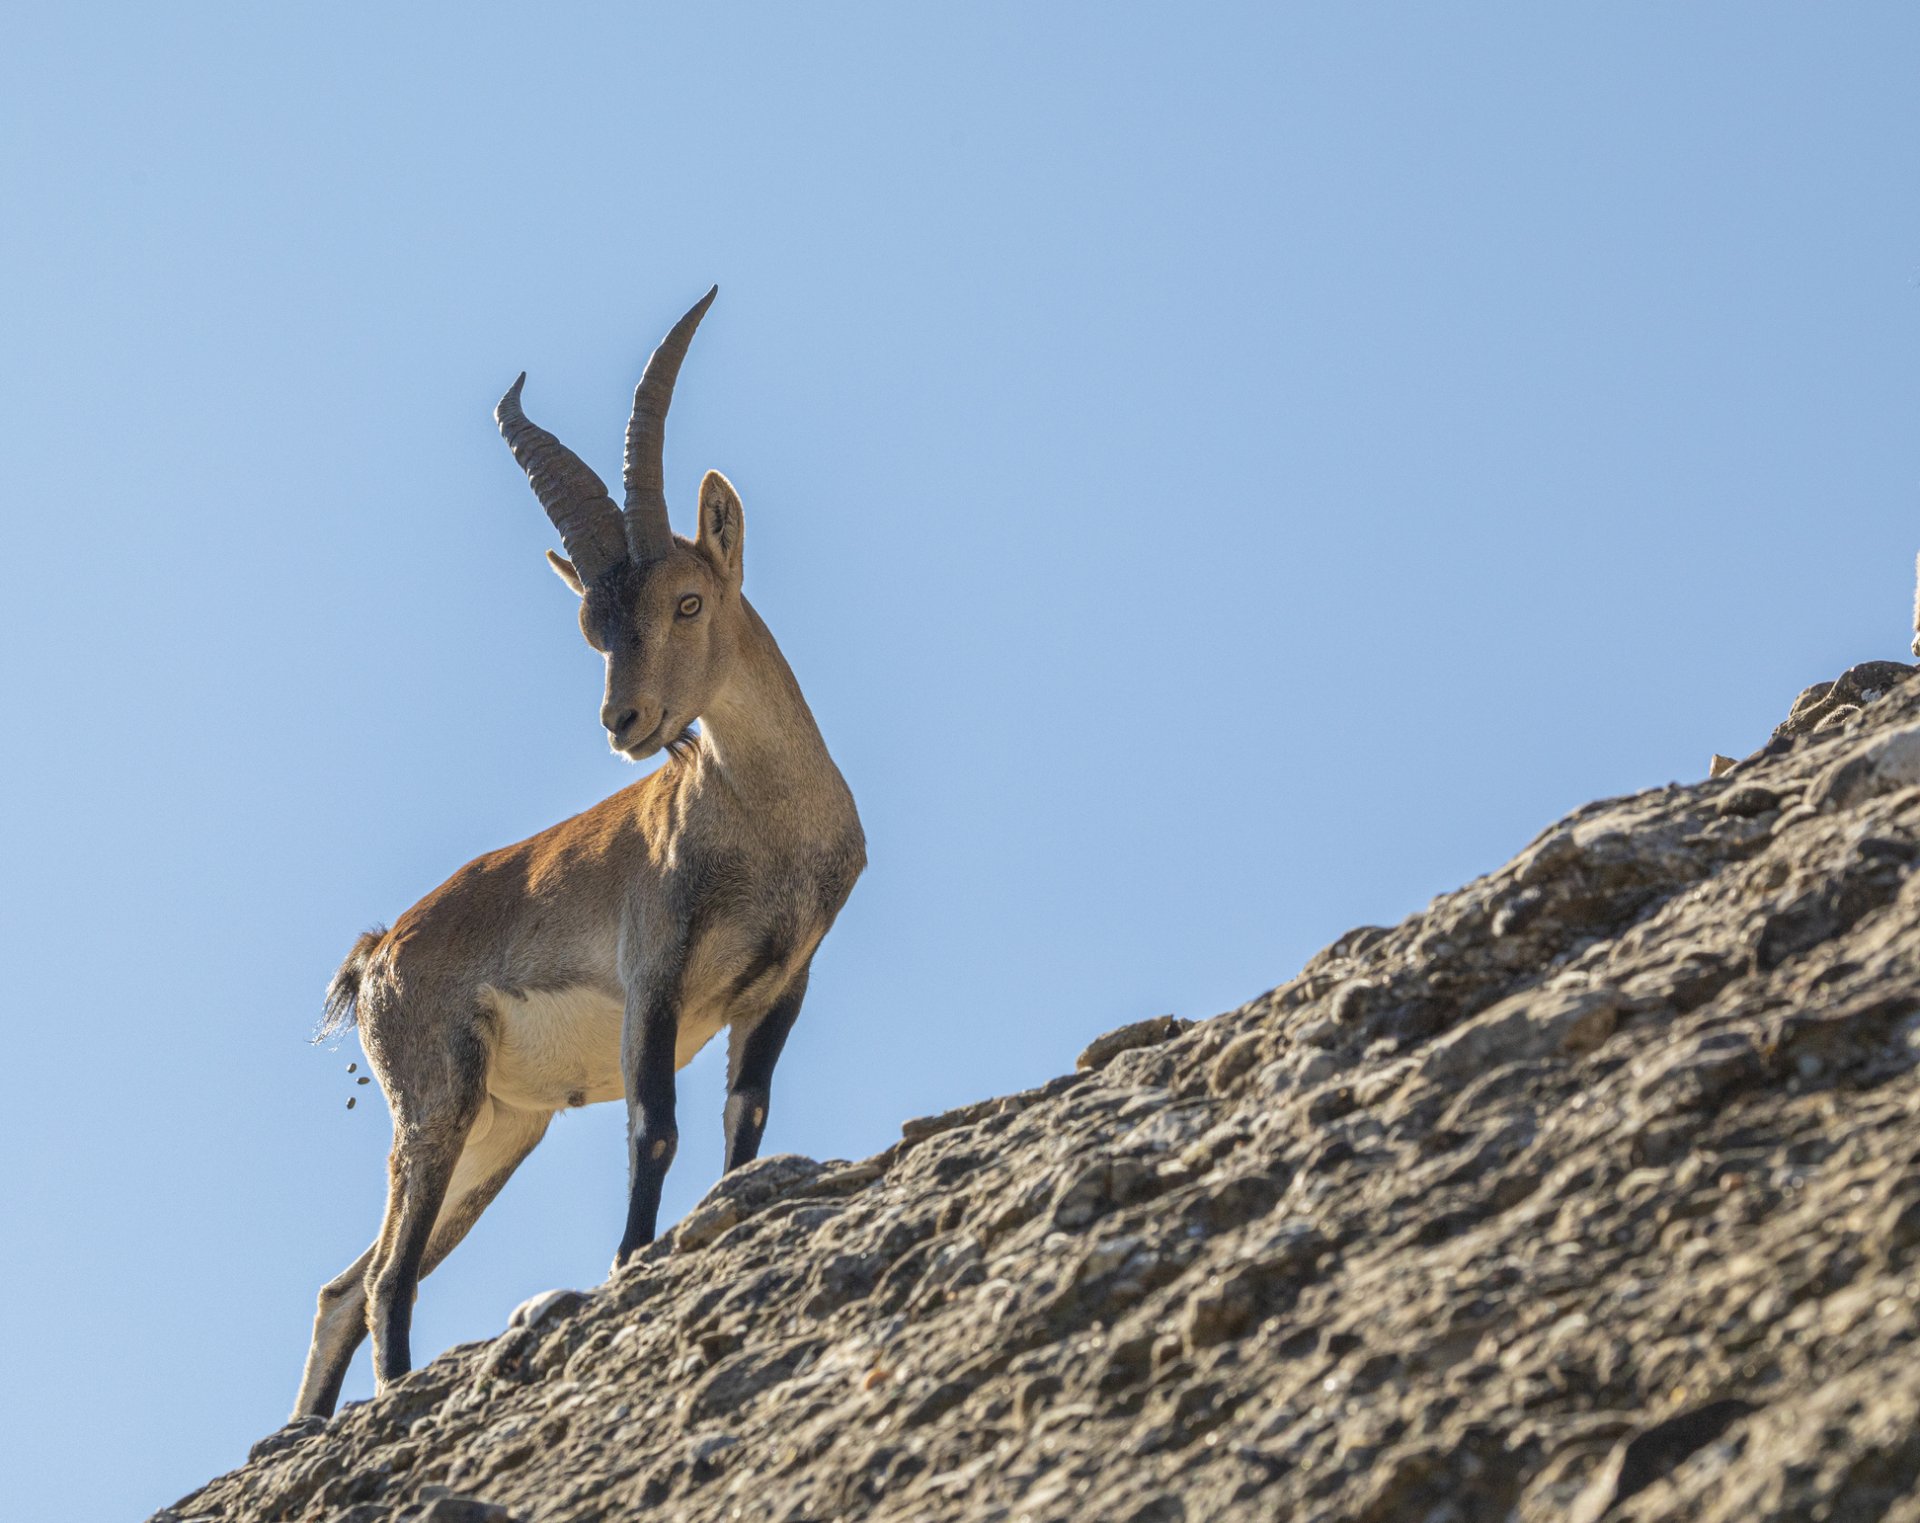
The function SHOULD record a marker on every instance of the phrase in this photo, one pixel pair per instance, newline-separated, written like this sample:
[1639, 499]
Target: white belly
[561, 1047]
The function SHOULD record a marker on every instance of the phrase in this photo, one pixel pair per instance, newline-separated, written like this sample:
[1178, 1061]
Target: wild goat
[594, 960]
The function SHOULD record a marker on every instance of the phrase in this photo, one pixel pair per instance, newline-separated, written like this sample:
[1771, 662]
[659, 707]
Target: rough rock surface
[1590, 1192]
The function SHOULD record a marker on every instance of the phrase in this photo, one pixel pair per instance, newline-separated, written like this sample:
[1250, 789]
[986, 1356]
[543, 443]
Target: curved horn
[574, 497]
[648, 532]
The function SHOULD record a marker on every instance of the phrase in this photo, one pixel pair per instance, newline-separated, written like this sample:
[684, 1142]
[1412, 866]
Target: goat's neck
[759, 740]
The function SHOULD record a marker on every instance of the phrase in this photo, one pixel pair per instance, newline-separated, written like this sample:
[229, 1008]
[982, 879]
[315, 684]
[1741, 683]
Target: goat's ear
[563, 568]
[722, 526]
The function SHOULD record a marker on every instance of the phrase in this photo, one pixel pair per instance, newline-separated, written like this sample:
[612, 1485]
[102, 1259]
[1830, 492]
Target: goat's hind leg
[431, 1126]
[499, 1142]
[499, 1139]
[338, 1328]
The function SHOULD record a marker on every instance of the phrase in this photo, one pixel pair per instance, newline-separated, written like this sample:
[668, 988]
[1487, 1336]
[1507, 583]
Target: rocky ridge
[1589, 1192]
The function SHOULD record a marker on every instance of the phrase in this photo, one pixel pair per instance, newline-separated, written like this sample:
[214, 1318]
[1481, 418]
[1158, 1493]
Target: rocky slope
[1589, 1192]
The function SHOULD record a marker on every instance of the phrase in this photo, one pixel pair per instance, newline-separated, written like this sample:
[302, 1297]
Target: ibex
[594, 960]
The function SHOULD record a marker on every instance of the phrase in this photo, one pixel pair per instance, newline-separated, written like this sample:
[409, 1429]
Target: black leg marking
[652, 1137]
[772, 955]
[752, 1080]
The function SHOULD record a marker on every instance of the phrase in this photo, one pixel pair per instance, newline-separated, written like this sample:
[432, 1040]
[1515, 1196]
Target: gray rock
[1102, 1050]
[457, 1510]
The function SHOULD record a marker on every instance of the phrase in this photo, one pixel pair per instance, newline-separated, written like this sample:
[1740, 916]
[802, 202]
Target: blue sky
[1222, 475]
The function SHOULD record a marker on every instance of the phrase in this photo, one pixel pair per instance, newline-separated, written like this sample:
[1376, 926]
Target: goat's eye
[689, 605]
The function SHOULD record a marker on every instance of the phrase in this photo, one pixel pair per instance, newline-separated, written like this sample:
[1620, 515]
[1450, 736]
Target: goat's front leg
[647, 1045]
[752, 1054]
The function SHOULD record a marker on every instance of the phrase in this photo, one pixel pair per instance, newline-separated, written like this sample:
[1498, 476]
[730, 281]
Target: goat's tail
[343, 994]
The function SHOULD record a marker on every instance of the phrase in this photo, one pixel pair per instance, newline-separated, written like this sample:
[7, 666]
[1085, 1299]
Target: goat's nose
[618, 720]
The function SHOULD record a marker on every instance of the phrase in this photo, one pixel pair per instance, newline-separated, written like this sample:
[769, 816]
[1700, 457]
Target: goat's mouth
[666, 734]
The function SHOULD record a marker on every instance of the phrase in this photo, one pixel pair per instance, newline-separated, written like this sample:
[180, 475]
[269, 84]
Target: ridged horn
[575, 498]
[649, 534]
